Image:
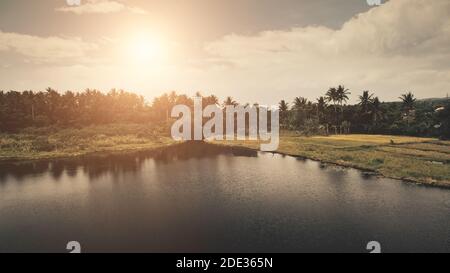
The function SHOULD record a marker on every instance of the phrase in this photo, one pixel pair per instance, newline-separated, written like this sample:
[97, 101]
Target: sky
[253, 50]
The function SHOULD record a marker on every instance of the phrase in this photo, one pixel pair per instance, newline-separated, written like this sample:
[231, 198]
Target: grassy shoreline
[419, 160]
[123, 149]
[48, 143]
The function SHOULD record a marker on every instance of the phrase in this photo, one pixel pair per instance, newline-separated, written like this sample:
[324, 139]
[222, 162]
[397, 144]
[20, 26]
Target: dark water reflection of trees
[97, 165]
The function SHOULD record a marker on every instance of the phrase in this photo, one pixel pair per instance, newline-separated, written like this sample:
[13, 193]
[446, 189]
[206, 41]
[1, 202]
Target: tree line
[328, 114]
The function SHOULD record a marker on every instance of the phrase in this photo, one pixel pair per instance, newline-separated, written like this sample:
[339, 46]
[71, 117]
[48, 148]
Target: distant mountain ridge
[434, 99]
[425, 100]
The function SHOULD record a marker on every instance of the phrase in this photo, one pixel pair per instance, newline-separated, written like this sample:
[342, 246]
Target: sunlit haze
[280, 50]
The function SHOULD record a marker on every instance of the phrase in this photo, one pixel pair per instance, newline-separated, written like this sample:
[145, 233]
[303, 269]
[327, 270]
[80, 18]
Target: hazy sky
[254, 50]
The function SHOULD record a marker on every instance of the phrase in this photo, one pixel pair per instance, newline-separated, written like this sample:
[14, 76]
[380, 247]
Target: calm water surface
[202, 199]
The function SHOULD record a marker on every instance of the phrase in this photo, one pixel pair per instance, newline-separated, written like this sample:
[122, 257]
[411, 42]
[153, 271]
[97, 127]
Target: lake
[205, 198]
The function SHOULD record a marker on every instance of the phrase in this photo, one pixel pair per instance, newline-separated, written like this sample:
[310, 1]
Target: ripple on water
[447, 204]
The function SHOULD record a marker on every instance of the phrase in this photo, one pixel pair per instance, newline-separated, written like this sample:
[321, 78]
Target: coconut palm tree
[364, 104]
[332, 96]
[338, 96]
[365, 101]
[185, 100]
[173, 98]
[229, 102]
[408, 100]
[209, 100]
[283, 107]
[321, 105]
[299, 103]
[342, 94]
[376, 111]
[300, 107]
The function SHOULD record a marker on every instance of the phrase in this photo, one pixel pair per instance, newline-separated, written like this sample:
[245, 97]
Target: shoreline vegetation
[414, 159]
[54, 143]
[364, 135]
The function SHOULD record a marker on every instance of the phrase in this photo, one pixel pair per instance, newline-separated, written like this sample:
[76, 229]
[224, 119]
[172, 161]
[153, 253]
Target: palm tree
[173, 98]
[408, 100]
[364, 104]
[376, 111]
[299, 103]
[321, 105]
[284, 108]
[229, 102]
[365, 101]
[342, 94]
[210, 100]
[185, 100]
[309, 108]
[332, 96]
[338, 96]
[299, 106]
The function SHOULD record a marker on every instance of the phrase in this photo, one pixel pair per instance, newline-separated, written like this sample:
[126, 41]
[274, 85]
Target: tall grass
[51, 141]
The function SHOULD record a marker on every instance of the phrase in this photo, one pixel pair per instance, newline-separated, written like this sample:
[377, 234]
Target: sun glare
[146, 48]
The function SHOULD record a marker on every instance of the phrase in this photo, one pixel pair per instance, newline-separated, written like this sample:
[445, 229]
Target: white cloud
[45, 49]
[101, 6]
[401, 45]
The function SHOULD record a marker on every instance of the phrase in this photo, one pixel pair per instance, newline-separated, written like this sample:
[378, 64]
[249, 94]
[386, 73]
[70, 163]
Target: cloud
[403, 44]
[400, 46]
[45, 49]
[101, 6]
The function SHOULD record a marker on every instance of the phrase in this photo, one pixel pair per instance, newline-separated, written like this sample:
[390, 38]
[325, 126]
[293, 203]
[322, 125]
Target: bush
[42, 144]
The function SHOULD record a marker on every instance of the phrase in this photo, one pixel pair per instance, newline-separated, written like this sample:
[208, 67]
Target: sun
[145, 47]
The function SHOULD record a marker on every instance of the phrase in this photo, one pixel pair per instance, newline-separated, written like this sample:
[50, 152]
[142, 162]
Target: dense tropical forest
[328, 114]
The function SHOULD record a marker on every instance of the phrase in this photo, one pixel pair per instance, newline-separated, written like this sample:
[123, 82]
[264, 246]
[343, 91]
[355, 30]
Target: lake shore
[52, 143]
[419, 160]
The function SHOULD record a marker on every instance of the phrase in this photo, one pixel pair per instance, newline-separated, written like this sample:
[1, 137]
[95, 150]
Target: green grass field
[423, 160]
